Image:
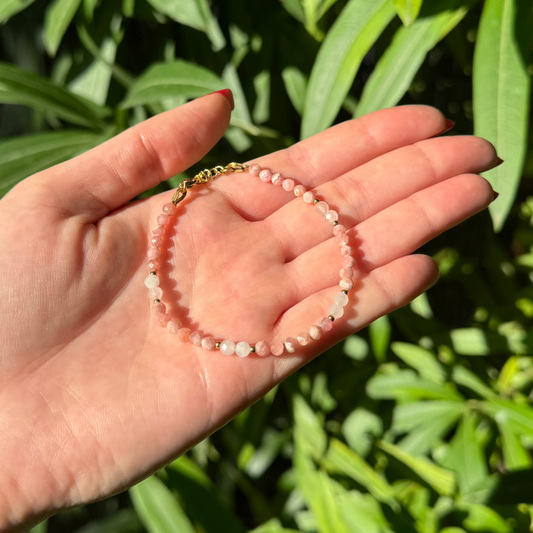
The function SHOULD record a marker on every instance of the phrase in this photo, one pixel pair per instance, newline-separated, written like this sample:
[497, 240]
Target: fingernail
[227, 94]
[497, 162]
[448, 125]
[495, 195]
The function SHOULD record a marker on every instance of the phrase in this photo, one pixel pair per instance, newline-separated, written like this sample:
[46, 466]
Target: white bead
[341, 299]
[336, 311]
[227, 347]
[155, 293]
[242, 349]
[322, 207]
[151, 281]
[332, 216]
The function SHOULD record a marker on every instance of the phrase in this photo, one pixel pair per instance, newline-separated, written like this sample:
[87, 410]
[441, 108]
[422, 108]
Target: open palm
[94, 394]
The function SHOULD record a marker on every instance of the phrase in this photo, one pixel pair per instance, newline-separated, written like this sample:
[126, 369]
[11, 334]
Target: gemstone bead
[303, 339]
[346, 250]
[159, 230]
[173, 326]
[346, 284]
[308, 197]
[164, 320]
[151, 281]
[242, 349]
[277, 348]
[254, 169]
[336, 311]
[262, 349]
[184, 334]
[341, 299]
[326, 324]
[159, 308]
[196, 338]
[155, 293]
[322, 207]
[332, 216]
[342, 239]
[276, 178]
[265, 175]
[227, 347]
[288, 184]
[154, 264]
[162, 219]
[155, 242]
[348, 261]
[291, 344]
[153, 253]
[208, 343]
[339, 230]
[346, 272]
[299, 190]
[169, 209]
[315, 332]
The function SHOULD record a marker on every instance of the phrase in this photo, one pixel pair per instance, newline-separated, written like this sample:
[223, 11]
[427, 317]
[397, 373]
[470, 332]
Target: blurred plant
[421, 423]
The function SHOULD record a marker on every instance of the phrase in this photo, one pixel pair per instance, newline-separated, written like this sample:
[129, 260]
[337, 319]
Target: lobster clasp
[236, 167]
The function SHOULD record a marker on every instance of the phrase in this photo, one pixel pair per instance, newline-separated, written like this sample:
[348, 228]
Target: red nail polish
[495, 195]
[499, 161]
[227, 94]
[448, 125]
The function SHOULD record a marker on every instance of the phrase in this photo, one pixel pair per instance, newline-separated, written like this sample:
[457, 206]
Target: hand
[95, 394]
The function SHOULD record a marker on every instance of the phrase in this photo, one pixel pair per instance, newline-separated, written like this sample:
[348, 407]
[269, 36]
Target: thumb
[138, 159]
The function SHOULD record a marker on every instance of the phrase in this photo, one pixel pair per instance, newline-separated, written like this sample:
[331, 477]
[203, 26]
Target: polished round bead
[346, 284]
[217, 345]
[196, 338]
[173, 326]
[316, 200]
[346, 250]
[342, 239]
[346, 272]
[151, 281]
[242, 349]
[341, 299]
[276, 178]
[227, 347]
[159, 308]
[265, 175]
[299, 190]
[277, 348]
[169, 209]
[288, 184]
[153, 253]
[152, 265]
[325, 324]
[252, 349]
[335, 223]
[164, 320]
[308, 197]
[303, 339]
[332, 216]
[254, 169]
[339, 229]
[322, 208]
[155, 242]
[262, 348]
[331, 318]
[291, 344]
[315, 332]
[184, 334]
[208, 343]
[162, 219]
[348, 261]
[155, 293]
[336, 311]
[160, 230]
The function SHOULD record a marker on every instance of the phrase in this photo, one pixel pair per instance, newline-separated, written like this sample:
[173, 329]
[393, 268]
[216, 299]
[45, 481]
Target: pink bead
[196, 338]
[162, 219]
[265, 175]
[277, 348]
[346, 250]
[159, 308]
[163, 321]
[154, 264]
[339, 229]
[153, 253]
[156, 242]
[262, 348]
[160, 230]
[291, 344]
[342, 239]
[184, 334]
[346, 272]
[208, 343]
[326, 324]
[288, 184]
[173, 326]
[315, 332]
[254, 169]
[169, 209]
[303, 339]
[308, 197]
[322, 207]
[276, 178]
[346, 284]
[299, 190]
[348, 261]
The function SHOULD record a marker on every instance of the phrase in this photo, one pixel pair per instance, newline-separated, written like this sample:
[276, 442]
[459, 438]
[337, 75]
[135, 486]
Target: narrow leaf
[308, 430]
[501, 86]
[380, 332]
[423, 361]
[296, 86]
[515, 455]
[8, 8]
[58, 16]
[408, 10]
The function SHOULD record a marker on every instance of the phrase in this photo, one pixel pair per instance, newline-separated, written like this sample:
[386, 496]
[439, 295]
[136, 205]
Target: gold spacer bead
[217, 345]
[345, 292]
[252, 349]
[316, 200]
[154, 273]
[157, 301]
[335, 223]
[331, 317]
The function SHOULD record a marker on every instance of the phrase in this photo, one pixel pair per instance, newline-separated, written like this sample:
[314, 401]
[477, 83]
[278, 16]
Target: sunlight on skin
[94, 394]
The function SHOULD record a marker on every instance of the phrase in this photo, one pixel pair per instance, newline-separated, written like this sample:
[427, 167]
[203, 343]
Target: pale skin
[94, 394]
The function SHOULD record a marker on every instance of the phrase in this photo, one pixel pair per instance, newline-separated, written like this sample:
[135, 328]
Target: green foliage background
[421, 423]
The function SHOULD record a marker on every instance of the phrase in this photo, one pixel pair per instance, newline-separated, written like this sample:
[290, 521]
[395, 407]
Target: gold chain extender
[205, 176]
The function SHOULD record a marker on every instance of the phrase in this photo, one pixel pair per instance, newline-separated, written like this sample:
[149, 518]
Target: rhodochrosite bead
[262, 348]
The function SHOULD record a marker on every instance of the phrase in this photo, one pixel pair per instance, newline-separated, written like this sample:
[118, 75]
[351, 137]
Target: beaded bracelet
[262, 347]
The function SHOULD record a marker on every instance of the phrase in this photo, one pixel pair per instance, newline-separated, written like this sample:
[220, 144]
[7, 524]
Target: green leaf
[123, 521]
[466, 378]
[8, 8]
[308, 429]
[442, 480]
[272, 526]
[423, 361]
[470, 341]
[355, 347]
[362, 513]
[483, 519]
[167, 80]
[501, 87]
[58, 16]
[193, 13]
[261, 111]
[25, 88]
[21, 157]
[295, 8]
[515, 455]
[395, 70]
[408, 10]
[380, 332]
[356, 29]
[358, 429]
[296, 86]
[340, 459]
[519, 417]
[158, 509]
[42, 527]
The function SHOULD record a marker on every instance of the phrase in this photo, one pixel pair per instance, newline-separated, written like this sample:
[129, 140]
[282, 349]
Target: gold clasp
[237, 167]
